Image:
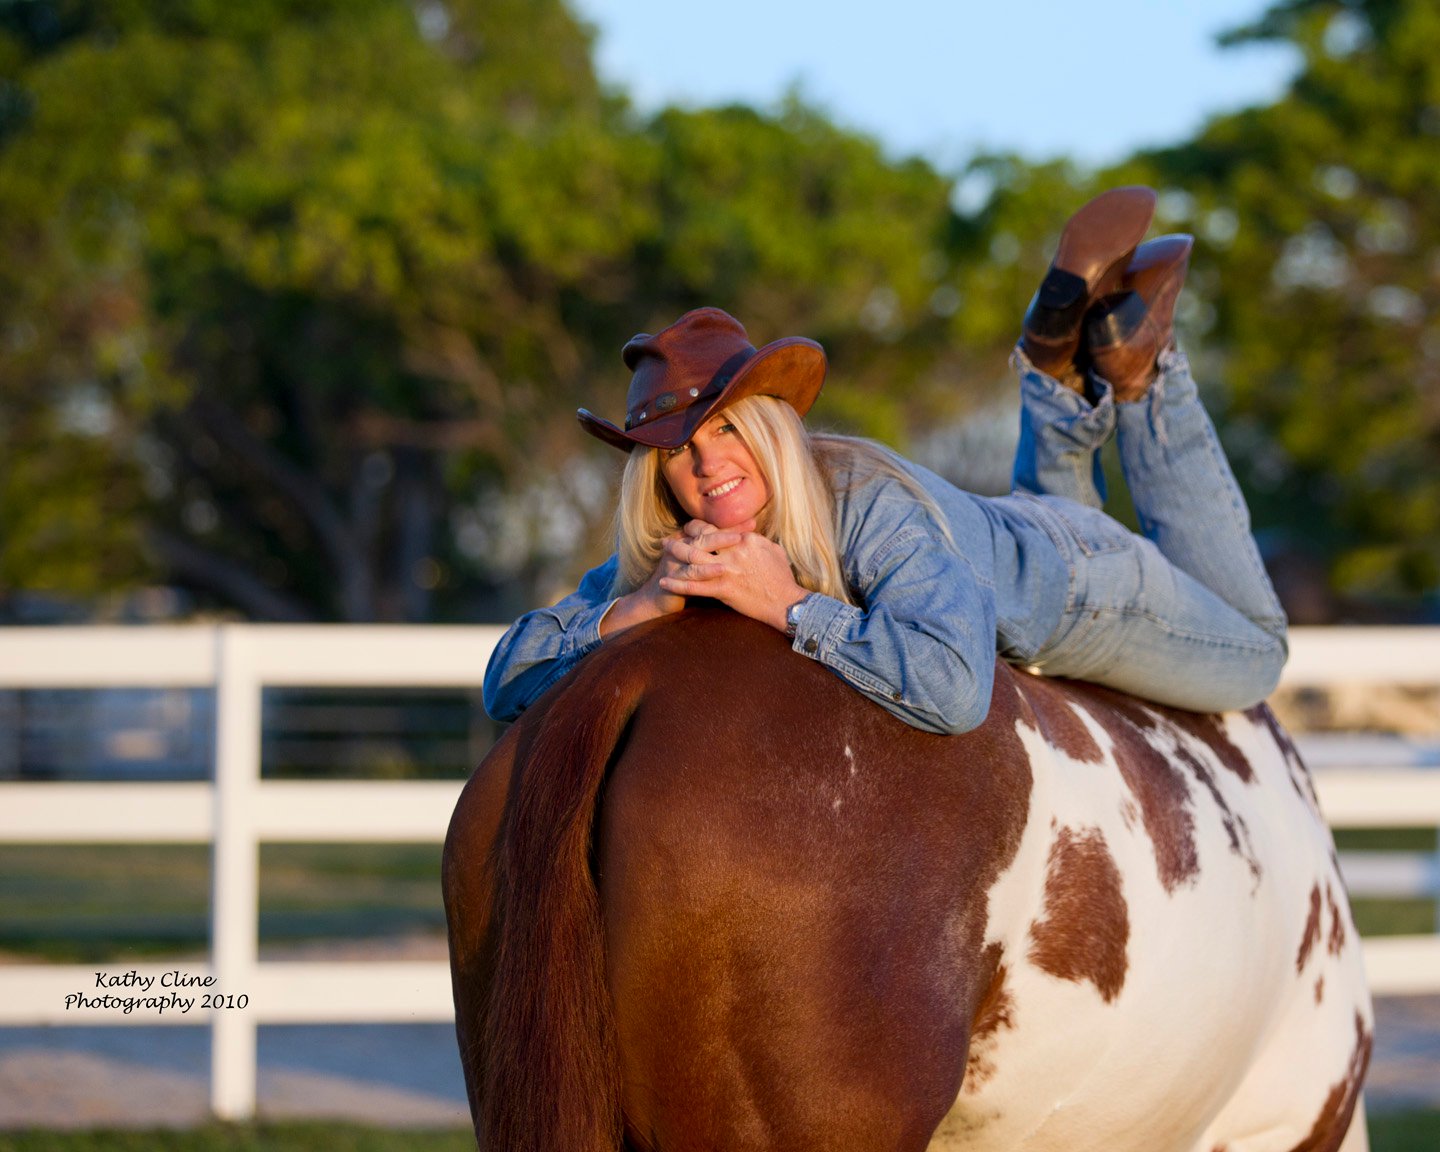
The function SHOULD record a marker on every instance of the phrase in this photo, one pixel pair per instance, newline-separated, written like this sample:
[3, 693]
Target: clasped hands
[737, 566]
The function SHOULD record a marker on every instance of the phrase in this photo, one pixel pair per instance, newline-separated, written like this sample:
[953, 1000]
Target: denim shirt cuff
[821, 619]
[583, 634]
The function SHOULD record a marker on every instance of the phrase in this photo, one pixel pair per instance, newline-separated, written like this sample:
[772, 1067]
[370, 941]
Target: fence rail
[239, 811]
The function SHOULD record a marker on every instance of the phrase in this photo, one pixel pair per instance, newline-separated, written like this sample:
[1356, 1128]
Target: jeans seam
[1185, 633]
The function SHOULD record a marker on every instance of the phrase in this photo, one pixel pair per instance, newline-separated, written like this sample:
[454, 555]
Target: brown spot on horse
[1236, 831]
[1330, 1127]
[994, 1014]
[1086, 924]
[1156, 782]
[1311, 936]
[1059, 722]
[1335, 944]
[1299, 775]
[1209, 729]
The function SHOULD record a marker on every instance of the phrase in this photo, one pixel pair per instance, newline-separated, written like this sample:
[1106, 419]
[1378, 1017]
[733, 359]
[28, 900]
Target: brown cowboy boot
[1127, 332]
[1095, 246]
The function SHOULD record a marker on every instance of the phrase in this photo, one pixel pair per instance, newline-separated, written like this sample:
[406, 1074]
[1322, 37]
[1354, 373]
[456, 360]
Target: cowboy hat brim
[792, 369]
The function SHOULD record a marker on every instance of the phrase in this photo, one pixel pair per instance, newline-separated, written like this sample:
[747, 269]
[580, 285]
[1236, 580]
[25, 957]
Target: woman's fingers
[711, 538]
[722, 560]
[754, 578]
[688, 586]
[704, 547]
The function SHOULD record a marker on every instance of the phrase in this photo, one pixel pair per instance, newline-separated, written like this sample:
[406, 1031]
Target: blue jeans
[1185, 616]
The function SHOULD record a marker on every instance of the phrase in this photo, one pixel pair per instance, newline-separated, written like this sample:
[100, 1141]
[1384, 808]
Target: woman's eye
[671, 453]
[726, 428]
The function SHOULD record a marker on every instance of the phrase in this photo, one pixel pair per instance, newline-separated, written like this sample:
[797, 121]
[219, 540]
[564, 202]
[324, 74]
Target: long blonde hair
[802, 472]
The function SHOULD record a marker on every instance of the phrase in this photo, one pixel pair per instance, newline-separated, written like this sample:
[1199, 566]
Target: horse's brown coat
[739, 872]
[765, 923]
[710, 913]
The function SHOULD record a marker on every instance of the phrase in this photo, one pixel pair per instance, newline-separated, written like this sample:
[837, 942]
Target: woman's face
[714, 477]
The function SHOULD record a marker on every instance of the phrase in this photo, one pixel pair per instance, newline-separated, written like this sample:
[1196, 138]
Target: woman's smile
[724, 489]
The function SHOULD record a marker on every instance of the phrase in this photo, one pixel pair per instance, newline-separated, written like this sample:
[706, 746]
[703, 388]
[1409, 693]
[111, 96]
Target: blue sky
[1042, 77]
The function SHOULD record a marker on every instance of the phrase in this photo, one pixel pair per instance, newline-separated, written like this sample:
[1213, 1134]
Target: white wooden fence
[238, 811]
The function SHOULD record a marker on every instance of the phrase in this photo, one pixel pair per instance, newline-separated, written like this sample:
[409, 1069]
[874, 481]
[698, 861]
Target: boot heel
[1055, 312]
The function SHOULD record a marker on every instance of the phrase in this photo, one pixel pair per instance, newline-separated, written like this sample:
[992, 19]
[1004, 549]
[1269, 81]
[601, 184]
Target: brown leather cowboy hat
[698, 365]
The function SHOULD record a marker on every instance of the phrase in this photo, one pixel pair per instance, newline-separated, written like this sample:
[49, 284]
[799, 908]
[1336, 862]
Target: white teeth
[728, 486]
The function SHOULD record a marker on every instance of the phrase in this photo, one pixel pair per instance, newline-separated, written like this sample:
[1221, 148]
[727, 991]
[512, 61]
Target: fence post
[235, 907]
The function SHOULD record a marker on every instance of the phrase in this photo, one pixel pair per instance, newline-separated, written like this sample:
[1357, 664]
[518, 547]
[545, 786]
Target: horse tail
[552, 1075]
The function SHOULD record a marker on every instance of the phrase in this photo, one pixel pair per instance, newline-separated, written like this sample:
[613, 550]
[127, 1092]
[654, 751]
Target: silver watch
[792, 616]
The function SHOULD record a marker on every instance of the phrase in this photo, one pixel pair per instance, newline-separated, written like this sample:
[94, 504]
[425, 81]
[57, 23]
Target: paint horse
[704, 896]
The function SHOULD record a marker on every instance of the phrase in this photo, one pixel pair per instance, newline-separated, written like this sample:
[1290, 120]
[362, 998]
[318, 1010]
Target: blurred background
[298, 299]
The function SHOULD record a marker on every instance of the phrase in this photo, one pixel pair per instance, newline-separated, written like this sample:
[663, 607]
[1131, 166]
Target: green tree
[1320, 286]
[267, 268]
[302, 296]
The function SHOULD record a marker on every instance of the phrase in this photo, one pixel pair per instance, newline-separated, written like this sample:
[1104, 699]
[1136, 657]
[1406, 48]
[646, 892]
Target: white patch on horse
[1226, 936]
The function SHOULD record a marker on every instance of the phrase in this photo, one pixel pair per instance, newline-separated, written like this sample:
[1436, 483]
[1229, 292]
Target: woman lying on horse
[897, 581]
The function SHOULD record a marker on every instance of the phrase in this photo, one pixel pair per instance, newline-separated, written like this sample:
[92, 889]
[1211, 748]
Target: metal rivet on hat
[641, 416]
[694, 391]
[666, 402]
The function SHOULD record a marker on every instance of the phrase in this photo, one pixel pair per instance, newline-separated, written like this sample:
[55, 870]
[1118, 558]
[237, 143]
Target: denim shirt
[933, 606]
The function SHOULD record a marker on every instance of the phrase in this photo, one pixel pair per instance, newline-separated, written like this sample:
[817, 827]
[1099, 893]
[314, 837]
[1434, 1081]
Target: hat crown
[690, 360]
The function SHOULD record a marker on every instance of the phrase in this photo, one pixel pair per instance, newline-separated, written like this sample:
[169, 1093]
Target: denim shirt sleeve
[922, 642]
[543, 645]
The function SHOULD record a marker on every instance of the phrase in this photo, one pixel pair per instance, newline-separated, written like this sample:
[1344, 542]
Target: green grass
[1385, 839]
[82, 904]
[1398, 916]
[1405, 1132]
[1375, 917]
[317, 1137]
[1408, 1132]
[69, 903]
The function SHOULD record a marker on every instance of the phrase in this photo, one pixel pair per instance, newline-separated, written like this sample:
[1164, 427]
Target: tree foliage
[1319, 228]
[299, 297]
